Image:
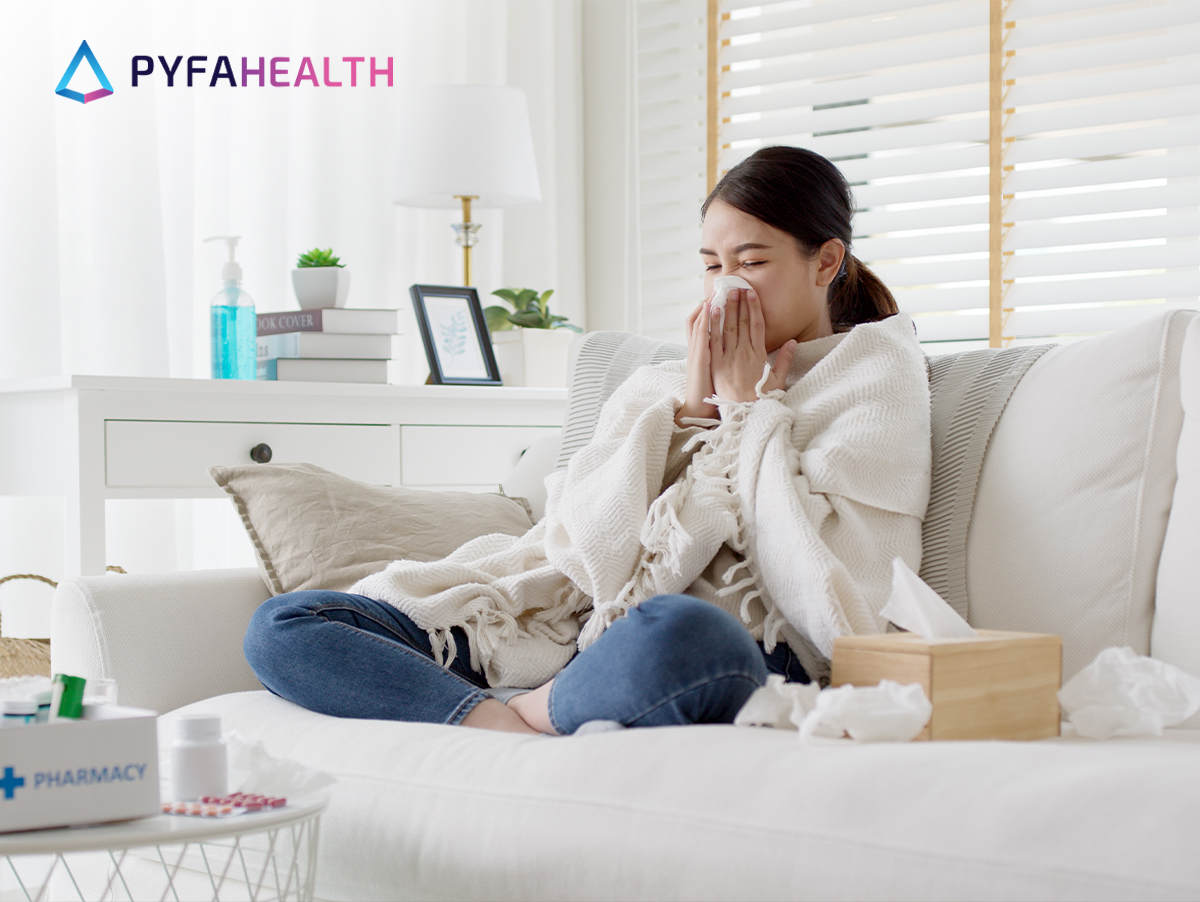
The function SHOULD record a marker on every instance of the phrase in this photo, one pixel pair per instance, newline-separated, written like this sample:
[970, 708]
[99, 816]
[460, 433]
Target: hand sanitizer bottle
[234, 325]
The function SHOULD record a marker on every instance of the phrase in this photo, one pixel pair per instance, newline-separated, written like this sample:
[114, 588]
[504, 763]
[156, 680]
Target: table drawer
[166, 453]
[463, 455]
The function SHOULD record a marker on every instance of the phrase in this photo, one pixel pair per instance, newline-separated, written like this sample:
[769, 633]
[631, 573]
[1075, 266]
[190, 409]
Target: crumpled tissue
[252, 770]
[1123, 693]
[915, 607]
[889, 712]
[722, 285]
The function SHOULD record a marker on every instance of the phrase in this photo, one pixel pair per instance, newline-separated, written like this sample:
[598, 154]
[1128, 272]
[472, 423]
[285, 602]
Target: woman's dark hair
[802, 193]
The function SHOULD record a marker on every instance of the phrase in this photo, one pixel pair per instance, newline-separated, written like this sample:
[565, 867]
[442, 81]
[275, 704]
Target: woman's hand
[699, 367]
[739, 351]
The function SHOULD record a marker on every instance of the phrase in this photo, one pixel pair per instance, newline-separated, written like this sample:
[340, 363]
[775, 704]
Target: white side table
[266, 855]
[91, 438]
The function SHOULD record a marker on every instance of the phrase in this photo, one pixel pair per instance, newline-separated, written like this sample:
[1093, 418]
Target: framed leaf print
[454, 331]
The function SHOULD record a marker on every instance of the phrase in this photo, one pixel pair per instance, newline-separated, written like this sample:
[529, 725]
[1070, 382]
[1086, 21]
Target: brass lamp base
[467, 234]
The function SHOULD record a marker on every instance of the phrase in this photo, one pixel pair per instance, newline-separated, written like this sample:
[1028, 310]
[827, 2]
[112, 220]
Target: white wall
[104, 205]
[609, 119]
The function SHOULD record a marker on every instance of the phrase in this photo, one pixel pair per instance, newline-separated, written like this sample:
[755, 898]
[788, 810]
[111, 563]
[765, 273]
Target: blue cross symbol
[10, 783]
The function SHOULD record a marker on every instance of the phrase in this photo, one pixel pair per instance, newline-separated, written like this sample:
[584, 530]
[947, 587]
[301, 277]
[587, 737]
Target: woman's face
[792, 288]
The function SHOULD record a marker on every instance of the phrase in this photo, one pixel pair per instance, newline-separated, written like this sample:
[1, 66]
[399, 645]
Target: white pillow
[1075, 491]
[528, 478]
[1176, 634]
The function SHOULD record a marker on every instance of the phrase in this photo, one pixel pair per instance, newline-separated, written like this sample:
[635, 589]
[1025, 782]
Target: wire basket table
[267, 856]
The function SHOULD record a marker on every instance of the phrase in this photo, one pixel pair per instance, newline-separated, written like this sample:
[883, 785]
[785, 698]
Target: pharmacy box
[998, 685]
[102, 767]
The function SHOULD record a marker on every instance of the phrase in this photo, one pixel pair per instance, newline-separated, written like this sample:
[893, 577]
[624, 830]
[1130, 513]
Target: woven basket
[25, 657]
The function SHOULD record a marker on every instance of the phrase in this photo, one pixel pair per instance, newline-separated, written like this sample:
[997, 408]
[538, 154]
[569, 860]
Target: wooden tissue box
[1000, 685]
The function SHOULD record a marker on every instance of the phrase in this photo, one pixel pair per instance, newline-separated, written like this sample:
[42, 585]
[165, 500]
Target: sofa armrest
[168, 639]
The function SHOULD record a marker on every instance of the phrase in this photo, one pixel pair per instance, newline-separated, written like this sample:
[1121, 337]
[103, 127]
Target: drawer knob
[261, 453]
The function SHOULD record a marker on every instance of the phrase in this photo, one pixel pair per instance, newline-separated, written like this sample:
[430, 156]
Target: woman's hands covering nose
[729, 362]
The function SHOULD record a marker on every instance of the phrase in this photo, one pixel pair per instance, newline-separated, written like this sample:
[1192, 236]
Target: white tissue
[888, 712]
[1123, 693]
[252, 770]
[915, 607]
[722, 285]
[778, 704]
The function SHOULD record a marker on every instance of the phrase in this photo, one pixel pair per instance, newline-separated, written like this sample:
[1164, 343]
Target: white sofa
[1069, 516]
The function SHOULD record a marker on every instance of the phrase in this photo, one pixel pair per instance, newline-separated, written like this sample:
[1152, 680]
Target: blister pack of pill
[224, 806]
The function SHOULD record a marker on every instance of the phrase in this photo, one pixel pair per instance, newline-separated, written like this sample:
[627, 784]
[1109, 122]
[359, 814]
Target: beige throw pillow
[313, 529]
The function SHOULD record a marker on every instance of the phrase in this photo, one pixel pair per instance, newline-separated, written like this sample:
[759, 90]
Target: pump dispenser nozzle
[232, 270]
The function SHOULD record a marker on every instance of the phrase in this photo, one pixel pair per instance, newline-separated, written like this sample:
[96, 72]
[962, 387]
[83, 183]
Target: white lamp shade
[465, 139]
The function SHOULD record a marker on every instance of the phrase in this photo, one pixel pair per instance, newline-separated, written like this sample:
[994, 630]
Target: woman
[772, 477]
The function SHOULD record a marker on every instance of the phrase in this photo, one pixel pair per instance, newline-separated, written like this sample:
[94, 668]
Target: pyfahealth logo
[142, 67]
[84, 52]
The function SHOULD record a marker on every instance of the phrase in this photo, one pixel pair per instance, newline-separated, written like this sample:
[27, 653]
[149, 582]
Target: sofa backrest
[1175, 637]
[1055, 483]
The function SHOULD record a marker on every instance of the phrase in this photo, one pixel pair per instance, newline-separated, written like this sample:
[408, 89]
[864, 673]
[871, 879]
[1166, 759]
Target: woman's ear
[829, 261]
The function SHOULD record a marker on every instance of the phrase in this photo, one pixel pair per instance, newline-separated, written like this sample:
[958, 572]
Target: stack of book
[326, 344]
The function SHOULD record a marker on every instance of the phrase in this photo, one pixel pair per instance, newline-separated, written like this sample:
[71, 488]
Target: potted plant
[530, 342]
[320, 280]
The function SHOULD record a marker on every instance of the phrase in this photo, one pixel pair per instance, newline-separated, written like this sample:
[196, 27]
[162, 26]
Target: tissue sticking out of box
[915, 607]
[722, 285]
[1123, 693]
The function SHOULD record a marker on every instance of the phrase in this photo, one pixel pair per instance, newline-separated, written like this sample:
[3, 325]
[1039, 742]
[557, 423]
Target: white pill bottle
[199, 765]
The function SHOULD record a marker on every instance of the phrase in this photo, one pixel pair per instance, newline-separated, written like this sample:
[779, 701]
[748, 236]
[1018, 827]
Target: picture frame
[454, 331]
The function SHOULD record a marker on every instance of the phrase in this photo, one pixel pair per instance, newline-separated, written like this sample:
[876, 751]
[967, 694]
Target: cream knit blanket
[807, 494]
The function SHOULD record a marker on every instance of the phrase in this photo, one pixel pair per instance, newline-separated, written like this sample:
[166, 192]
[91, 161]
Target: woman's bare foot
[490, 714]
[534, 708]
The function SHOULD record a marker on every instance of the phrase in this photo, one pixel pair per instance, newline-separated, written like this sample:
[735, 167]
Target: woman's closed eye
[714, 266]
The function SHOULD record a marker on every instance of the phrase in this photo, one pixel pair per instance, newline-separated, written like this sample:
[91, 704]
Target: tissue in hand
[1123, 693]
[722, 285]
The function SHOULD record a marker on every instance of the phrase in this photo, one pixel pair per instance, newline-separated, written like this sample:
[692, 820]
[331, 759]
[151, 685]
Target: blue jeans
[672, 660]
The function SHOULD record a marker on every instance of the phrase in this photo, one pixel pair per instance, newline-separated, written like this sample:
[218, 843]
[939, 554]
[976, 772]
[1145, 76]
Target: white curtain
[103, 206]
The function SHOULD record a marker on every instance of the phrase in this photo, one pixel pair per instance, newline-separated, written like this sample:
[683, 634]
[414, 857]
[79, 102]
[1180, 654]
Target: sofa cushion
[1075, 491]
[1176, 634]
[424, 811]
[313, 529]
[528, 478]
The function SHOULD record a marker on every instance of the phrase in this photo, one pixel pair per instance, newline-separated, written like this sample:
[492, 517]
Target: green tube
[67, 700]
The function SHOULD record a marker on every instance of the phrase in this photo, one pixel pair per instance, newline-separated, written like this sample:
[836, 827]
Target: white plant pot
[535, 358]
[321, 286]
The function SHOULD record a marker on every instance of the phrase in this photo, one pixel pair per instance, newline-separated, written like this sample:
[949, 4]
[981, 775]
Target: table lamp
[465, 143]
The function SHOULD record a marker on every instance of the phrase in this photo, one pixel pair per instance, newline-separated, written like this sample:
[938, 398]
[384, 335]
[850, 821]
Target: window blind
[1100, 201]
[896, 93]
[1101, 212]
[672, 104]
